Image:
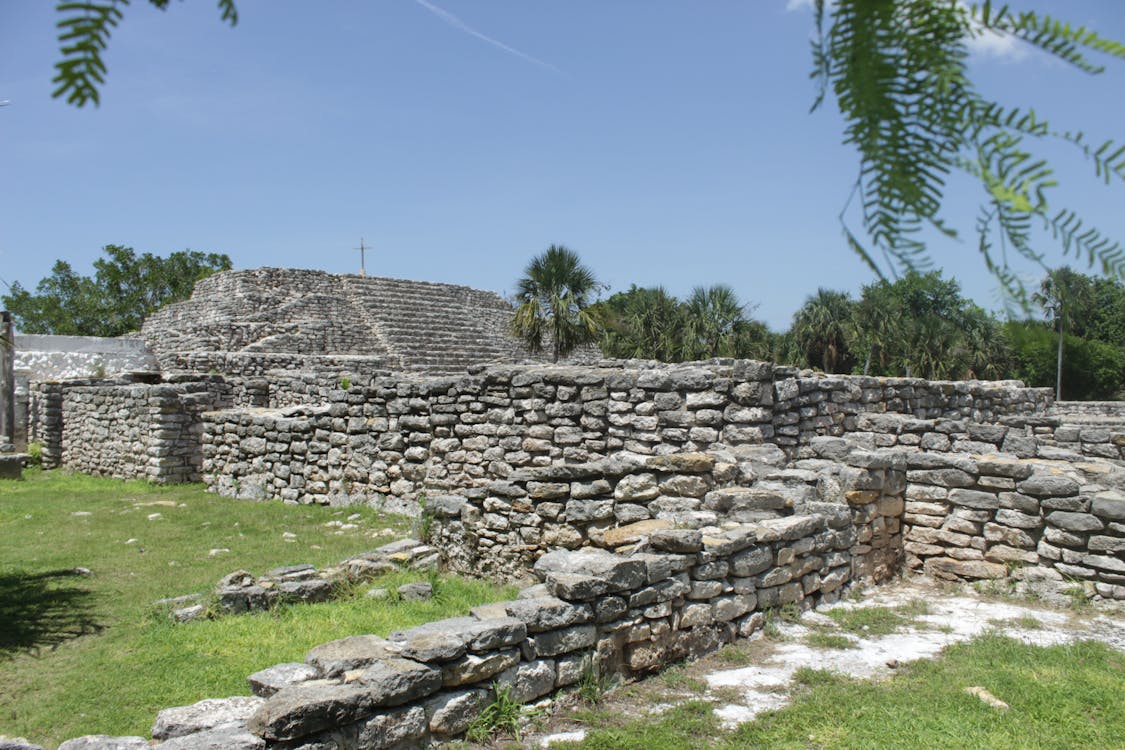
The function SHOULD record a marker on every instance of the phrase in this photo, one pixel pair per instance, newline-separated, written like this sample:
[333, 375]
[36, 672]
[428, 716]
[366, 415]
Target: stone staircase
[436, 327]
[411, 325]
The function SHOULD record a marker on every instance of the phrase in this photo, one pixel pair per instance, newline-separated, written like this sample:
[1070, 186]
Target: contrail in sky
[457, 23]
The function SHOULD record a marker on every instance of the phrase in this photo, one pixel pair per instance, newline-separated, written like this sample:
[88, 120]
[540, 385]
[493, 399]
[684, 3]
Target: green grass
[1061, 697]
[91, 654]
[830, 640]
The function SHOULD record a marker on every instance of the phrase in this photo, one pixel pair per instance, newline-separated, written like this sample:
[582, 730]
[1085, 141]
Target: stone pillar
[7, 378]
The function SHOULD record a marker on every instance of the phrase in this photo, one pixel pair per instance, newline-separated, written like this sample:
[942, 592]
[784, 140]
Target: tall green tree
[715, 323]
[555, 296]
[643, 324]
[1066, 297]
[652, 324]
[822, 329]
[921, 326]
[124, 290]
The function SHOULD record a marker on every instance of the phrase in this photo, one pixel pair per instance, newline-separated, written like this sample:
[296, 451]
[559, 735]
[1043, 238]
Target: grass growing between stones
[84, 654]
[1060, 697]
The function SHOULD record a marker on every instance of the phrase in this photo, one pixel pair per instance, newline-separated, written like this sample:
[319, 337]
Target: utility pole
[7, 379]
[362, 257]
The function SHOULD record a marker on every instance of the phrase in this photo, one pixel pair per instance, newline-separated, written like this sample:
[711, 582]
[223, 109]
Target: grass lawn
[1061, 697]
[90, 654]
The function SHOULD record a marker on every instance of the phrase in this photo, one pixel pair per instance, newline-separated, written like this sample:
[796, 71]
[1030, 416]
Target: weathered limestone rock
[345, 654]
[1048, 485]
[940, 567]
[392, 682]
[539, 614]
[617, 572]
[268, 681]
[477, 667]
[105, 742]
[310, 707]
[204, 715]
[226, 737]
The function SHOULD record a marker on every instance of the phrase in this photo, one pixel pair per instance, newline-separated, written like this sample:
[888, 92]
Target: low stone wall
[1112, 409]
[1103, 441]
[594, 612]
[981, 517]
[807, 405]
[1021, 436]
[626, 502]
[398, 436]
[127, 430]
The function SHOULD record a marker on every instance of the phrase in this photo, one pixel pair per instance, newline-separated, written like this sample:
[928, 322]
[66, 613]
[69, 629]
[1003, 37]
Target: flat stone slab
[105, 742]
[268, 681]
[230, 737]
[310, 707]
[204, 715]
[345, 654]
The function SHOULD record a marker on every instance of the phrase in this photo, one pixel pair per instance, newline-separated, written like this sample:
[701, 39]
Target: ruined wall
[979, 517]
[398, 436]
[626, 502]
[684, 595]
[127, 430]
[1113, 409]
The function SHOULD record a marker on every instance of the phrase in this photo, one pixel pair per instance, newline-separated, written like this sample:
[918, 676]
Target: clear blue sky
[667, 142]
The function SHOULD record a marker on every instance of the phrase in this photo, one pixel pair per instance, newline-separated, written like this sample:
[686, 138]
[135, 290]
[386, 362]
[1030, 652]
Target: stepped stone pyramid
[408, 325]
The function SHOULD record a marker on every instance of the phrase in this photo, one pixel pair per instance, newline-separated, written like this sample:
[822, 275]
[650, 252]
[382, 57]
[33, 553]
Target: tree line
[919, 325]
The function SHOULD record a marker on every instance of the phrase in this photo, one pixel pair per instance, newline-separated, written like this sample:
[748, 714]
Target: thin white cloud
[460, 25]
[987, 43]
[796, 5]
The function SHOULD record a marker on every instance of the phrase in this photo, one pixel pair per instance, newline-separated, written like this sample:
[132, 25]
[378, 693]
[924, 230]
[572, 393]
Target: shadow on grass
[40, 610]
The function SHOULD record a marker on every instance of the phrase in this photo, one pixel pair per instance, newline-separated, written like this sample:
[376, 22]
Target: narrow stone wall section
[148, 431]
[980, 517]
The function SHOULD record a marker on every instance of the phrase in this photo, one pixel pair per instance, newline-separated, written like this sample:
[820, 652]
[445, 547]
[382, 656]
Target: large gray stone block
[204, 715]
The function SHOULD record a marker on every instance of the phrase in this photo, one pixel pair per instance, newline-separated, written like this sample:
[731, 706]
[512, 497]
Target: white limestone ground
[951, 618]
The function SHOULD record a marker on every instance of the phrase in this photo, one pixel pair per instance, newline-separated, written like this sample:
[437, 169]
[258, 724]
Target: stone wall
[399, 436]
[679, 595]
[1113, 409]
[127, 430]
[627, 501]
[809, 404]
[983, 517]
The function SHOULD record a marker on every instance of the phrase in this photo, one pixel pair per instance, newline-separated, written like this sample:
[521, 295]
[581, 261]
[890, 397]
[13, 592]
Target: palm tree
[1062, 295]
[555, 296]
[823, 326]
[714, 322]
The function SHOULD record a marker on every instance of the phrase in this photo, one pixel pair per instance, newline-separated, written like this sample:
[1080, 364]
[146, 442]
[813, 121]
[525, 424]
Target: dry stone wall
[626, 502]
[127, 430]
[398, 436]
[975, 517]
[677, 596]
